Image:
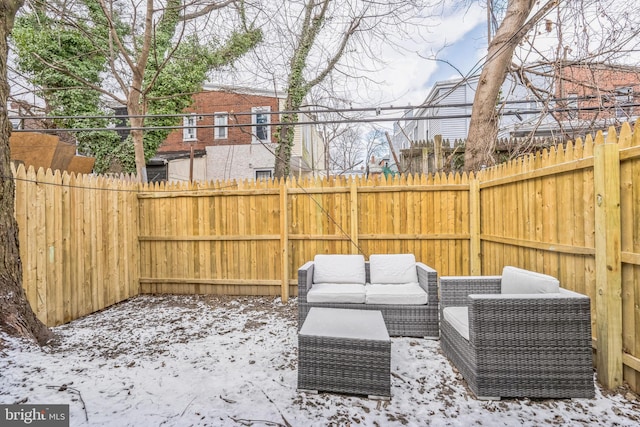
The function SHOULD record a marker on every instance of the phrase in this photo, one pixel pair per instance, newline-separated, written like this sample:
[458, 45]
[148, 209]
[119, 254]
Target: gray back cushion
[389, 269]
[519, 281]
[339, 269]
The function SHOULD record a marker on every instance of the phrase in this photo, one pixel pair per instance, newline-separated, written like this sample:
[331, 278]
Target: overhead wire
[115, 190]
[377, 109]
[518, 112]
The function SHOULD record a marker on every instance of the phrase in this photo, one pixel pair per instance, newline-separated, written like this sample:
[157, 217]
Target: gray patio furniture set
[515, 335]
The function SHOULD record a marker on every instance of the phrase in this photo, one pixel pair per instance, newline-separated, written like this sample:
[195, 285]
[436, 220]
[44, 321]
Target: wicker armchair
[517, 344]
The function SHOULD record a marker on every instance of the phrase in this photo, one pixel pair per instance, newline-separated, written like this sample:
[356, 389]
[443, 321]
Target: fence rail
[572, 212]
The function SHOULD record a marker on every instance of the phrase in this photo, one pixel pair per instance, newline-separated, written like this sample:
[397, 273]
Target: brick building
[224, 150]
[601, 91]
[211, 112]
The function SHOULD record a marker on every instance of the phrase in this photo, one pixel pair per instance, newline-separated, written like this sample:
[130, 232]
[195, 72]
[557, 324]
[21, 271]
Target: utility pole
[489, 7]
[393, 151]
[191, 164]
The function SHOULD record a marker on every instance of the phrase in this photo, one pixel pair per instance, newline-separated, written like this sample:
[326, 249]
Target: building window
[189, 129]
[624, 96]
[221, 131]
[261, 130]
[264, 174]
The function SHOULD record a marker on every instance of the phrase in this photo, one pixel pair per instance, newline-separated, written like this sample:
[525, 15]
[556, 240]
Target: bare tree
[16, 316]
[583, 50]
[346, 149]
[377, 145]
[140, 41]
[338, 128]
[353, 148]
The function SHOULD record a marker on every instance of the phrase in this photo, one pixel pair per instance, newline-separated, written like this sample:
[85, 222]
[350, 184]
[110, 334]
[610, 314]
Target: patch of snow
[219, 361]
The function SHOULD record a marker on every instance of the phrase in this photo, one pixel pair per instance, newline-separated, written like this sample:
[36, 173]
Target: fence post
[424, 159]
[475, 260]
[606, 173]
[284, 240]
[353, 199]
[437, 153]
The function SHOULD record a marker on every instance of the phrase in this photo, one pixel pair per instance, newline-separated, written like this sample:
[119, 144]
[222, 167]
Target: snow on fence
[573, 212]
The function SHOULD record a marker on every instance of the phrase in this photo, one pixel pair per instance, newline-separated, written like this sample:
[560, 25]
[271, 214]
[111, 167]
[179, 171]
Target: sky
[232, 361]
[459, 38]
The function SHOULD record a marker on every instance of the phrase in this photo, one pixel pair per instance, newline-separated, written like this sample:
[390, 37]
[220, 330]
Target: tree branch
[334, 60]
[205, 10]
[115, 37]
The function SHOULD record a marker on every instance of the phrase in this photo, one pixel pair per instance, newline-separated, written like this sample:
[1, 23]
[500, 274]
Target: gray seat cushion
[339, 269]
[405, 294]
[391, 269]
[458, 317]
[345, 323]
[337, 293]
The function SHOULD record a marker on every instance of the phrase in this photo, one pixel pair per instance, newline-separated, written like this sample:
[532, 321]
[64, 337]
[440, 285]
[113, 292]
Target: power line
[518, 113]
[327, 110]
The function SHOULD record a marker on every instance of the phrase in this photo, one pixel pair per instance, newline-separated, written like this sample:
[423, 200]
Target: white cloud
[410, 67]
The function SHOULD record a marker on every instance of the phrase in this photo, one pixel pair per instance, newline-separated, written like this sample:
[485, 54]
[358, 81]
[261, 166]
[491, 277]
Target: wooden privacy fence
[250, 238]
[574, 212]
[78, 242]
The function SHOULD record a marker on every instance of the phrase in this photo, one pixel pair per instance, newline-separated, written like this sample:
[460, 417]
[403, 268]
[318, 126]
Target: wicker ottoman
[345, 351]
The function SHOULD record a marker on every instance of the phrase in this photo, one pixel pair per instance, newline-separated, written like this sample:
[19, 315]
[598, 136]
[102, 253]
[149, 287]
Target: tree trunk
[16, 316]
[134, 106]
[483, 127]
[281, 169]
[137, 134]
[285, 145]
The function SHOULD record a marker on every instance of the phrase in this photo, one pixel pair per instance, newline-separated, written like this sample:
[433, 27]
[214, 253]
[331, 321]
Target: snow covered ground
[206, 361]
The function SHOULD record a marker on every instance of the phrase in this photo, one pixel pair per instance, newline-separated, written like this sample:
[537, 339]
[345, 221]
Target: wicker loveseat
[403, 290]
[517, 335]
